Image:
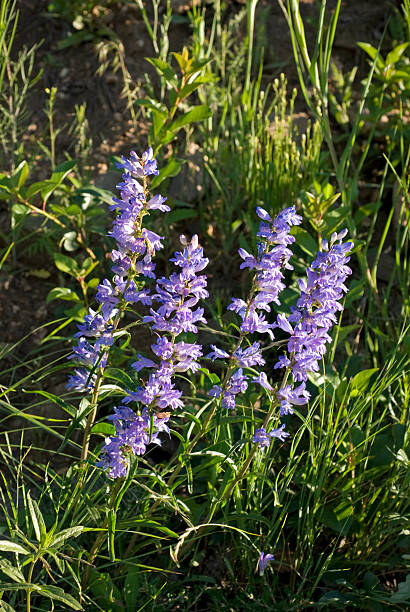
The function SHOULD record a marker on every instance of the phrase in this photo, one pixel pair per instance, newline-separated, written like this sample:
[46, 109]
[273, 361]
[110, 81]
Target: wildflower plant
[175, 310]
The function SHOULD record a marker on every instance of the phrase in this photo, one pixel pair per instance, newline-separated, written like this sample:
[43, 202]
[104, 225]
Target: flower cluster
[133, 256]
[178, 297]
[314, 315]
[132, 435]
[272, 257]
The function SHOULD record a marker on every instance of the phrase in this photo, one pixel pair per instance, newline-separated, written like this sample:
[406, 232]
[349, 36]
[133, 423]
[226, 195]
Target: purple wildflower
[263, 561]
[132, 256]
[272, 256]
[264, 439]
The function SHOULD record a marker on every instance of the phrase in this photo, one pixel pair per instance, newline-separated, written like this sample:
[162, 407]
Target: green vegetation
[183, 531]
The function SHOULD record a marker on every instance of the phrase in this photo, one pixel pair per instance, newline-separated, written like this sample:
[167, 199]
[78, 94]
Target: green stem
[100, 538]
[247, 463]
[29, 578]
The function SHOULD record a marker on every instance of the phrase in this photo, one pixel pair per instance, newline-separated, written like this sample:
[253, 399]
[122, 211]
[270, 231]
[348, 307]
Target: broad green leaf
[66, 264]
[158, 120]
[396, 53]
[132, 587]
[183, 60]
[369, 49]
[106, 429]
[62, 170]
[35, 188]
[62, 293]
[19, 586]
[164, 69]
[198, 113]
[20, 174]
[403, 592]
[7, 546]
[214, 378]
[361, 380]
[305, 241]
[171, 169]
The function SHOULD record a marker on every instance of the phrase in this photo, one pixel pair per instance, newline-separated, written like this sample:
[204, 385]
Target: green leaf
[369, 49]
[214, 378]
[171, 169]
[372, 52]
[403, 592]
[396, 53]
[132, 588]
[106, 429]
[7, 546]
[58, 594]
[11, 571]
[66, 264]
[164, 69]
[69, 408]
[361, 380]
[198, 113]
[20, 174]
[305, 240]
[62, 293]
[35, 188]
[181, 214]
[6, 607]
[36, 519]
[19, 211]
[73, 40]
[62, 170]
[92, 284]
[65, 534]
[120, 376]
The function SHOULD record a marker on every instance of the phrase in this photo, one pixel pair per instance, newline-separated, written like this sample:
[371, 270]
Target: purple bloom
[262, 438]
[135, 247]
[217, 353]
[279, 433]
[132, 435]
[263, 381]
[142, 363]
[106, 297]
[140, 166]
[157, 203]
[317, 306]
[250, 356]
[263, 561]
[272, 256]
[82, 380]
[283, 362]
